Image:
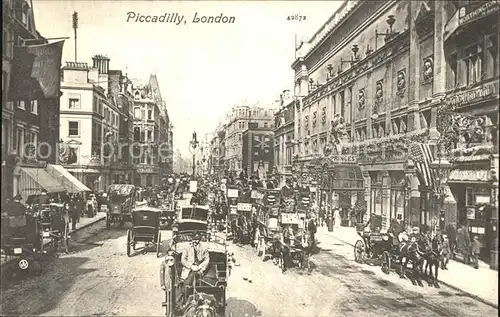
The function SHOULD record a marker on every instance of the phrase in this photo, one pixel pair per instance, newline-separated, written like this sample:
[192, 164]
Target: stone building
[89, 123]
[153, 155]
[382, 72]
[23, 122]
[238, 121]
[284, 139]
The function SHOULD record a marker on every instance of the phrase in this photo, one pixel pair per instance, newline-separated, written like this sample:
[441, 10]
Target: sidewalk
[481, 284]
[84, 222]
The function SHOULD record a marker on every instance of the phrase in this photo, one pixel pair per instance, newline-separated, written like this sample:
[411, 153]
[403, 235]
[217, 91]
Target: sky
[203, 69]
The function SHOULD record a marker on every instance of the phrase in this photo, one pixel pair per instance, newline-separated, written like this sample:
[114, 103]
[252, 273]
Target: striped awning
[70, 182]
[34, 179]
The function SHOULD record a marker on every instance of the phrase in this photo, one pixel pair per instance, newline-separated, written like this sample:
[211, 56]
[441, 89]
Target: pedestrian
[336, 218]
[74, 213]
[476, 251]
[445, 252]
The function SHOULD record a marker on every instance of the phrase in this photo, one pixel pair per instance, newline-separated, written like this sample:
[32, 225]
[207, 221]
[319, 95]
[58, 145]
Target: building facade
[89, 123]
[258, 151]
[382, 94]
[24, 126]
[147, 123]
[239, 120]
[120, 88]
[284, 140]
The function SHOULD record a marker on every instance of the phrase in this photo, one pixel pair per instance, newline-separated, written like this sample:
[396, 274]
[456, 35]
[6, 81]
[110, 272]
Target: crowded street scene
[278, 158]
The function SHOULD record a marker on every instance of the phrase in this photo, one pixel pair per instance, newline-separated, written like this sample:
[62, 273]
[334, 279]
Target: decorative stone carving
[402, 127]
[314, 119]
[306, 122]
[428, 71]
[401, 83]
[323, 115]
[379, 95]
[361, 99]
[423, 122]
[395, 128]
[381, 131]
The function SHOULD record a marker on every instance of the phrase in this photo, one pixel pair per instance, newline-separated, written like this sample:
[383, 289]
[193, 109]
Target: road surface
[97, 278]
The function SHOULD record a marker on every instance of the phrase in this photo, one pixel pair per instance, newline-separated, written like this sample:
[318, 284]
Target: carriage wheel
[129, 241]
[386, 262]
[359, 251]
[158, 243]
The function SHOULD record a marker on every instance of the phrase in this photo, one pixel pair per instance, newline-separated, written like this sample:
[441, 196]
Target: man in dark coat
[397, 226]
[16, 208]
[43, 199]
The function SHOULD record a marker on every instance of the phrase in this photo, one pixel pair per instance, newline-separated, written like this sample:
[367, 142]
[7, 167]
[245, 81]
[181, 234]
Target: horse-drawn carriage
[168, 207]
[207, 295]
[267, 204]
[121, 201]
[53, 221]
[387, 250]
[145, 229]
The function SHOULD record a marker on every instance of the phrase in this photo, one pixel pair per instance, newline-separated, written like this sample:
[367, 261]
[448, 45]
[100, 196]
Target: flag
[35, 73]
[422, 156]
[262, 147]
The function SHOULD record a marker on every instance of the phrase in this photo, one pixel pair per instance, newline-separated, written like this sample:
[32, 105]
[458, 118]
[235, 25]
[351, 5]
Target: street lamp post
[193, 146]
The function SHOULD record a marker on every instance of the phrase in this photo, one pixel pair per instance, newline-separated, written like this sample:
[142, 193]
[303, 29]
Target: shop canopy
[70, 182]
[339, 174]
[35, 179]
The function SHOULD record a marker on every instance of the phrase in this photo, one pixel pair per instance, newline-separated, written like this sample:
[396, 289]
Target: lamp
[389, 34]
[355, 50]
[330, 69]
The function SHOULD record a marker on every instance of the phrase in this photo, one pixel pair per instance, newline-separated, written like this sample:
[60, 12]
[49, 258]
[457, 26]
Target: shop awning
[470, 176]
[34, 179]
[70, 182]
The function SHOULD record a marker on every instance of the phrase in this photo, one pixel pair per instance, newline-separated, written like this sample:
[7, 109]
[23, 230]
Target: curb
[96, 220]
[476, 297]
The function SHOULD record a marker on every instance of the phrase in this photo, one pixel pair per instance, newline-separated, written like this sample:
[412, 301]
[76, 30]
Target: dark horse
[432, 259]
[411, 251]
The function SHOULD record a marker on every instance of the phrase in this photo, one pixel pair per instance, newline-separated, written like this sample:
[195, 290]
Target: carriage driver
[397, 230]
[195, 260]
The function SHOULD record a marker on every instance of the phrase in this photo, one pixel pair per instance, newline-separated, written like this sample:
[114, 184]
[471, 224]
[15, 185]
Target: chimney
[101, 63]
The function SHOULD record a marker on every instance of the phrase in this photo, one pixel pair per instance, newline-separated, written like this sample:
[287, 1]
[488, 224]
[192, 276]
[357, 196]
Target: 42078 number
[296, 17]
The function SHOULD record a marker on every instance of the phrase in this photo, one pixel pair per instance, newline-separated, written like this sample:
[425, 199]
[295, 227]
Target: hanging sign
[468, 96]
[484, 10]
[232, 193]
[193, 186]
[471, 213]
[244, 207]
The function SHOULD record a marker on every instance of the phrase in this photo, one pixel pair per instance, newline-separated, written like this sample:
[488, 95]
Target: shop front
[477, 205]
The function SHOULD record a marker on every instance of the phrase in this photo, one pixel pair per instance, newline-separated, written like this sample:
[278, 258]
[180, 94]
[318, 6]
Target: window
[20, 105]
[94, 104]
[265, 124]
[342, 104]
[491, 56]
[19, 139]
[74, 103]
[150, 114]
[99, 106]
[453, 64]
[74, 128]
[474, 63]
[150, 136]
[24, 16]
[137, 113]
[34, 106]
[143, 114]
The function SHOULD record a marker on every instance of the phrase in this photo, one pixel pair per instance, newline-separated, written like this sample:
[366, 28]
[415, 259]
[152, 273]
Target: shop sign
[469, 175]
[232, 193]
[484, 10]
[147, 170]
[233, 210]
[255, 194]
[482, 199]
[465, 97]
[344, 159]
[244, 206]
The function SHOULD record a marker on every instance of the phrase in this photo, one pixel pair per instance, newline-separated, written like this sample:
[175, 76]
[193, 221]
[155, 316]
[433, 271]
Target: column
[439, 81]
[367, 185]
[368, 104]
[413, 73]
[328, 116]
[388, 97]
[386, 199]
[413, 202]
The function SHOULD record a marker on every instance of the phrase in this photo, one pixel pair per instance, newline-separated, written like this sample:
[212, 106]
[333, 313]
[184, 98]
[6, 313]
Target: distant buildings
[228, 139]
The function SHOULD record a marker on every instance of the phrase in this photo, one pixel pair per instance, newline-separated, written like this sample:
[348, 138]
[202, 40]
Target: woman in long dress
[336, 218]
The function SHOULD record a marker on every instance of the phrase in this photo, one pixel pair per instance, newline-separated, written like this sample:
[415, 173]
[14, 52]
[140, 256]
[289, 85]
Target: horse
[410, 251]
[308, 246]
[200, 305]
[433, 259]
